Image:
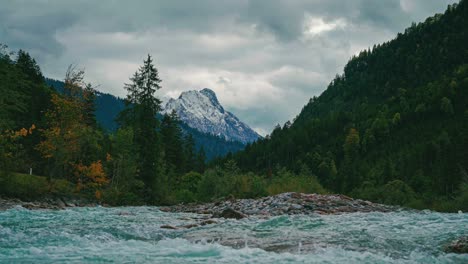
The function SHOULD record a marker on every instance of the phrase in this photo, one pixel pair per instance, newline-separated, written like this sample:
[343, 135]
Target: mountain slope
[108, 107]
[397, 118]
[201, 110]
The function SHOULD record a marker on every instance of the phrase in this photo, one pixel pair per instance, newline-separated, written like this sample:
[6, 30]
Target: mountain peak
[210, 94]
[202, 111]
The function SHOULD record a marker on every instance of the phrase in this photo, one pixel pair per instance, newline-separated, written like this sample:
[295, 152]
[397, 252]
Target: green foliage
[446, 106]
[142, 106]
[285, 181]
[29, 187]
[145, 162]
[461, 200]
[190, 181]
[118, 197]
[397, 193]
[229, 182]
[396, 114]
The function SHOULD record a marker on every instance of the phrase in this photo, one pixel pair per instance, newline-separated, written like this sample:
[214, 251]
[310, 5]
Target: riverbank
[45, 203]
[282, 204]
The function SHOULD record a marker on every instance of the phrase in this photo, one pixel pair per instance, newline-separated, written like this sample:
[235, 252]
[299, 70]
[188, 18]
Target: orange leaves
[108, 157]
[93, 174]
[97, 174]
[32, 128]
[98, 194]
[49, 146]
[23, 132]
[65, 123]
[9, 142]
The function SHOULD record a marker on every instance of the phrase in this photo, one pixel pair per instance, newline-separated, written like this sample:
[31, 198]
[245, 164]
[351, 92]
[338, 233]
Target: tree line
[57, 135]
[392, 128]
[147, 159]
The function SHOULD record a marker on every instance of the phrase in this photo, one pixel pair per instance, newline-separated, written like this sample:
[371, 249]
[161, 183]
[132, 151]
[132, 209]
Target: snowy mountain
[201, 110]
[108, 108]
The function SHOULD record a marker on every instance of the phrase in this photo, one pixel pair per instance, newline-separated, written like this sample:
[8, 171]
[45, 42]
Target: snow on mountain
[201, 110]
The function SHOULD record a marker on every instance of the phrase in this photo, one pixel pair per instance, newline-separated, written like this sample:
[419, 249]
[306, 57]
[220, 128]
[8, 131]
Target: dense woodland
[148, 158]
[58, 136]
[392, 128]
[108, 108]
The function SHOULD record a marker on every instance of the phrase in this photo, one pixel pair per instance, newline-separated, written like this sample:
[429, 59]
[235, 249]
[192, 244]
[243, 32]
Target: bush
[27, 187]
[190, 181]
[208, 186]
[185, 196]
[397, 193]
[367, 191]
[116, 197]
[462, 199]
[394, 193]
[285, 181]
[248, 186]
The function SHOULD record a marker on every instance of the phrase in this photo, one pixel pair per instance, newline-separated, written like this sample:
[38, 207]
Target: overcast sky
[264, 59]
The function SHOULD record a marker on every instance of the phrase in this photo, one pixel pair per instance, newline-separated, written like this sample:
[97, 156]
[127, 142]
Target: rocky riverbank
[281, 204]
[46, 203]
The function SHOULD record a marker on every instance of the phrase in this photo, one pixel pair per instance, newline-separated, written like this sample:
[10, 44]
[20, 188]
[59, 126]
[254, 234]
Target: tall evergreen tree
[189, 153]
[140, 114]
[172, 140]
[89, 98]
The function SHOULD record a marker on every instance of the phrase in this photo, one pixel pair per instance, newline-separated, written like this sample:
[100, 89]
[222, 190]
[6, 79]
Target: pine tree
[89, 98]
[172, 140]
[140, 114]
[200, 160]
[189, 153]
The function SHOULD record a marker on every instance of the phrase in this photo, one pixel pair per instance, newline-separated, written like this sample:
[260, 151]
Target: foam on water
[133, 234]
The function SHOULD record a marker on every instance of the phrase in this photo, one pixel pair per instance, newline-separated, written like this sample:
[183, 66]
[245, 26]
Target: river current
[134, 235]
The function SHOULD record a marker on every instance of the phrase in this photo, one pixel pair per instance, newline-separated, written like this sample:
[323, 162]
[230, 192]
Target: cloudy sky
[263, 58]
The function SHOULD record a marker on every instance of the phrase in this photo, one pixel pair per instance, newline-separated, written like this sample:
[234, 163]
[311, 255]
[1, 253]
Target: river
[134, 235]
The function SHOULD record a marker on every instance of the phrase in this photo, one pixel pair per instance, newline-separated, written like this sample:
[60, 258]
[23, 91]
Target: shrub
[285, 181]
[397, 192]
[23, 186]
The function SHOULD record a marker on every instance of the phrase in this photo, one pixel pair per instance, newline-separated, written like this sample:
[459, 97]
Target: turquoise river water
[134, 235]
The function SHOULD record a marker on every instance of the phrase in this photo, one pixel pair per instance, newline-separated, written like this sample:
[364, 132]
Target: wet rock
[165, 209]
[168, 227]
[208, 222]
[296, 207]
[459, 246]
[189, 226]
[60, 203]
[230, 213]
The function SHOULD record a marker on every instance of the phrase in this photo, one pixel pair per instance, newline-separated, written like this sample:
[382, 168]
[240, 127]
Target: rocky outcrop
[230, 213]
[459, 246]
[285, 203]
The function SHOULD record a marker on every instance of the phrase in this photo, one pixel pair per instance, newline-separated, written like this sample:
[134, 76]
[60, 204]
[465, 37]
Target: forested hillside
[57, 135]
[108, 108]
[396, 120]
[150, 158]
[392, 128]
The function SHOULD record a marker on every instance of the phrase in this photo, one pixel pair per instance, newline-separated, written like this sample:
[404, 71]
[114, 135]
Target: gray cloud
[264, 58]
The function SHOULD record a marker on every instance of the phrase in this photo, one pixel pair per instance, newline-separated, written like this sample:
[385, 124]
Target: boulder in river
[230, 213]
[459, 246]
[168, 227]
